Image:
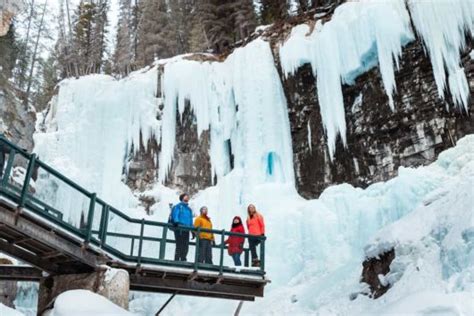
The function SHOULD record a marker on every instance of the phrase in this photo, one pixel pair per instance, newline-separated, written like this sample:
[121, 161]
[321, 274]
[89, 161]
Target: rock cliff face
[19, 122]
[191, 167]
[379, 140]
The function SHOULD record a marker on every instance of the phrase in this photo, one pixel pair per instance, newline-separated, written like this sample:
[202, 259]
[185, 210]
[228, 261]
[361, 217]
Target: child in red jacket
[236, 243]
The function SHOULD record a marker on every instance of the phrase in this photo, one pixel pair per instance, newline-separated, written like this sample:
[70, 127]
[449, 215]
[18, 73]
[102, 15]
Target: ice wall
[241, 101]
[364, 34]
[88, 133]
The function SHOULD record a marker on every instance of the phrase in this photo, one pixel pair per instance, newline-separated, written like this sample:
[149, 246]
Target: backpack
[170, 217]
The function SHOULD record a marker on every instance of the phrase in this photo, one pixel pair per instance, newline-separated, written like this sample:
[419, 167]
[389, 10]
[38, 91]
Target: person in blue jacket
[182, 216]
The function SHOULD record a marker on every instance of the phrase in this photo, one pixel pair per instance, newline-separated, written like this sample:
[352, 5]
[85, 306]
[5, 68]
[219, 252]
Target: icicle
[443, 27]
[248, 80]
[358, 36]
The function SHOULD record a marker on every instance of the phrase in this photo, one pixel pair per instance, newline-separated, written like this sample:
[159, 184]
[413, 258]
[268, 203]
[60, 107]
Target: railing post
[104, 222]
[132, 246]
[90, 217]
[222, 246]
[246, 257]
[163, 243]
[262, 254]
[6, 174]
[26, 184]
[140, 243]
[196, 251]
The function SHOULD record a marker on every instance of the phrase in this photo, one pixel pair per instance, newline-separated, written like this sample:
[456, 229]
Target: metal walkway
[34, 230]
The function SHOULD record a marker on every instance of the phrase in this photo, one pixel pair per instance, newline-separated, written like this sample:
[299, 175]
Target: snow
[431, 303]
[82, 302]
[364, 34]
[7, 311]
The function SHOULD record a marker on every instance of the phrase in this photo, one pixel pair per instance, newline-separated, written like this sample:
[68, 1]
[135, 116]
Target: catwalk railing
[57, 199]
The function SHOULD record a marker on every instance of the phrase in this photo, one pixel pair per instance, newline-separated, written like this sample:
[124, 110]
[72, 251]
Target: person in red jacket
[236, 243]
[256, 227]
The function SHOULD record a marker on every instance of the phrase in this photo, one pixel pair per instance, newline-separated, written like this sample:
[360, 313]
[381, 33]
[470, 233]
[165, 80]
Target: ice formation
[363, 34]
[443, 27]
[89, 131]
[247, 111]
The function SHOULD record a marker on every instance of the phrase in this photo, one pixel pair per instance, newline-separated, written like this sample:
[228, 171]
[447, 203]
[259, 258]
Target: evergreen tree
[62, 50]
[155, 33]
[273, 10]
[245, 19]
[99, 36]
[218, 21]
[123, 56]
[182, 17]
[83, 26]
[89, 37]
[303, 5]
[225, 22]
[49, 75]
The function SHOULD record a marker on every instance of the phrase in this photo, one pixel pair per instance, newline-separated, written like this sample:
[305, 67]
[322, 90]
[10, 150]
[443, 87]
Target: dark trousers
[236, 258]
[205, 251]
[182, 244]
[253, 243]
[2, 162]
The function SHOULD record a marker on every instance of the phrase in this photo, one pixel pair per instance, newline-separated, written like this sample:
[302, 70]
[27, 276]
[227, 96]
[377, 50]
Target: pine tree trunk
[33, 60]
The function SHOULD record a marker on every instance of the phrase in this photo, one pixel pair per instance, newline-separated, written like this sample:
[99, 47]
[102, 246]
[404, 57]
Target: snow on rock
[363, 34]
[7, 311]
[82, 302]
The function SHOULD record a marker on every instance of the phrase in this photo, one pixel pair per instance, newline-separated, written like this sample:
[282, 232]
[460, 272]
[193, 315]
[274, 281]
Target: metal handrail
[99, 237]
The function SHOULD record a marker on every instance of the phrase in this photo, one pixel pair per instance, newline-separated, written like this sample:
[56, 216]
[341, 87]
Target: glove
[213, 243]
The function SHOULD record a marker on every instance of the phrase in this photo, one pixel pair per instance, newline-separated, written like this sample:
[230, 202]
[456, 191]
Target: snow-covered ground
[7, 311]
[84, 303]
[315, 247]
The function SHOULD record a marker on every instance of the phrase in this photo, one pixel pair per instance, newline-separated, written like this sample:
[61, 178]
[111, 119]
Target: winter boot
[255, 263]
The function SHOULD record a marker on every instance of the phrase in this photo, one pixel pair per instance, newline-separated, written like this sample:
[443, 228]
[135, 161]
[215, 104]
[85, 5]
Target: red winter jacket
[236, 243]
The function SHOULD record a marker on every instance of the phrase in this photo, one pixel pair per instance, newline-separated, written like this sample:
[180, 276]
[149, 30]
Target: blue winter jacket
[182, 215]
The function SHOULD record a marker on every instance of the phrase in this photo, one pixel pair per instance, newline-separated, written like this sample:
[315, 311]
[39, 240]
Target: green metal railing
[99, 211]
